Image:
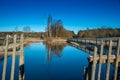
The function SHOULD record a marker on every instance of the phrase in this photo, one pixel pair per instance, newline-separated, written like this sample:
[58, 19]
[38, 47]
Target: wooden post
[21, 49]
[5, 59]
[117, 59]
[108, 61]
[13, 58]
[21, 59]
[94, 64]
[100, 60]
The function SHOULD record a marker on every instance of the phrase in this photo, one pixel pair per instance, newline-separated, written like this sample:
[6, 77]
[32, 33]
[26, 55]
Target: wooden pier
[101, 59]
[98, 56]
[13, 53]
[95, 41]
[94, 59]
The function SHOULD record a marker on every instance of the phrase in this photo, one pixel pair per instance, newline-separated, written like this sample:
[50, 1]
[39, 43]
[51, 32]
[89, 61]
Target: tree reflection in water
[54, 48]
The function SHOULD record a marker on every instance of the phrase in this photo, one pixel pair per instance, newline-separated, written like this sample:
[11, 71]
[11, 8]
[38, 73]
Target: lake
[52, 62]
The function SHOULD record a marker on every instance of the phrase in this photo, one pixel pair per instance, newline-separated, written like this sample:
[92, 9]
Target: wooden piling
[5, 59]
[100, 60]
[108, 61]
[94, 63]
[21, 60]
[117, 59]
[13, 58]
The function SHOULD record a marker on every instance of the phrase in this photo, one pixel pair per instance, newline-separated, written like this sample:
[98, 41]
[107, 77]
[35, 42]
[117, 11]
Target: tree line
[99, 33]
[26, 29]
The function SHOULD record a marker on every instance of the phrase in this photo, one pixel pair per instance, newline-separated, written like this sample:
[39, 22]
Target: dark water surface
[52, 62]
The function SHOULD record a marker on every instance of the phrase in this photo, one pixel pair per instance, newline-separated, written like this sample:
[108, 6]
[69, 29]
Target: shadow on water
[118, 78]
[21, 69]
[54, 48]
[1, 58]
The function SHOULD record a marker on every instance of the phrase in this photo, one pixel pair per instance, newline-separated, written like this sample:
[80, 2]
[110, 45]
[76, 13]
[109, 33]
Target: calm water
[52, 62]
[66, 64]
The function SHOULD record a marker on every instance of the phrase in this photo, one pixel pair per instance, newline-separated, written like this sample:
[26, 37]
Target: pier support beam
[117, 60]
[13, 59]
[100, 60]
[108, 61]
[94, 64]
[5, 59]
[21, 60]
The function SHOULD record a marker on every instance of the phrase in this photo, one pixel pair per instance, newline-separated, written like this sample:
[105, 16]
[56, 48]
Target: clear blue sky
[75, 14]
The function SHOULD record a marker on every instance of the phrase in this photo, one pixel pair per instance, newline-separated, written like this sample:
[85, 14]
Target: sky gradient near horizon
[75, 14]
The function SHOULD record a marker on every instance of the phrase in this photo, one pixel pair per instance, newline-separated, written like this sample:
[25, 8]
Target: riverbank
[34, 40]
[47, 40]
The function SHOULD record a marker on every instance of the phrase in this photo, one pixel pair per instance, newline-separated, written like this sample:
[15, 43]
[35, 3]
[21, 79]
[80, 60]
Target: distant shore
[35, 40]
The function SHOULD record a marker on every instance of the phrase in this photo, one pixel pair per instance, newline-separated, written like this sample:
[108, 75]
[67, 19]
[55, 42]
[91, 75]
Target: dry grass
[55, 40]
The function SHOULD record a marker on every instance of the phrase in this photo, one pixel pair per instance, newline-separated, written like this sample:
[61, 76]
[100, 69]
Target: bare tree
[58, 24]
[49, 25]
[56, 29]
[26, 29]
[16, 29]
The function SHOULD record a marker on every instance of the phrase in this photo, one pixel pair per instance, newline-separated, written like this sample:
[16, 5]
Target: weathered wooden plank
[10, 53]
[13, 59]
[108, 61]
[5, 59]
[94, 63]
[117, 60]
[104, 59]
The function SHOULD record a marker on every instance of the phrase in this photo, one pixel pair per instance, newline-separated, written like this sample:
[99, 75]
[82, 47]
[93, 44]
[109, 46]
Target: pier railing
[103, 51]
[13, 52]
[95, 41]
[101, 59]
